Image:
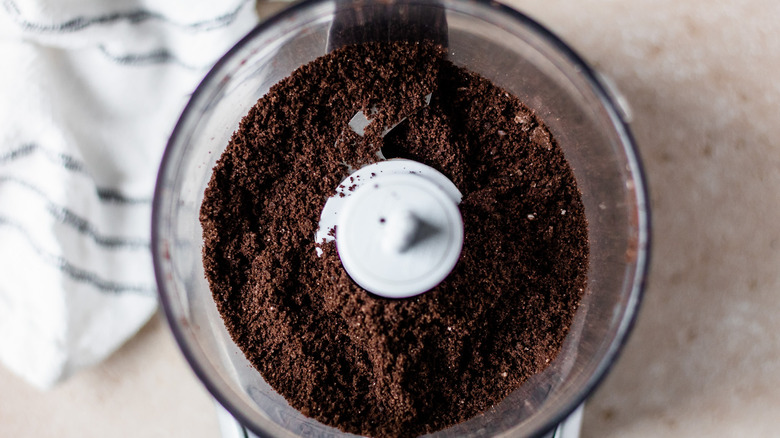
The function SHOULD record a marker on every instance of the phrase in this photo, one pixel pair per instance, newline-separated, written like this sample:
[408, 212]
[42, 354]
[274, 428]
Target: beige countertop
[704, 359]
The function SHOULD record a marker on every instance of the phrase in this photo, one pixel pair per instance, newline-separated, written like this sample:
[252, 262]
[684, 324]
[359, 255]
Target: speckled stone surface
[704, 359]
[144, 390]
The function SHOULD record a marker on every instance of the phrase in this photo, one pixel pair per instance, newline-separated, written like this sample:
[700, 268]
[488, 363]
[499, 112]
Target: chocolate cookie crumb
[375, 366]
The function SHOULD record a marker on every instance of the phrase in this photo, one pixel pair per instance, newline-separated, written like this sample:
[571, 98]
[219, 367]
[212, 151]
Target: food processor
[584, 114]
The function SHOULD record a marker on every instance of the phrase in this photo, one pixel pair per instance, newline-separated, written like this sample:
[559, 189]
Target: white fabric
[89, 93]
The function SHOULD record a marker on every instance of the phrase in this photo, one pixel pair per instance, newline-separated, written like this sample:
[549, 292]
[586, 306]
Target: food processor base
[229, 427]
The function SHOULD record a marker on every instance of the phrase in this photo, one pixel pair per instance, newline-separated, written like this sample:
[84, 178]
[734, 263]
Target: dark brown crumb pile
[376, 366]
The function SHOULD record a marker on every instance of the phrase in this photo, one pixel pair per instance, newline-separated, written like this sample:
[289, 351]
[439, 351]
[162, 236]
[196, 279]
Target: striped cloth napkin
[89, 93]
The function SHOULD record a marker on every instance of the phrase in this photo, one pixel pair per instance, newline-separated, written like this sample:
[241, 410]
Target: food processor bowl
[492, 40]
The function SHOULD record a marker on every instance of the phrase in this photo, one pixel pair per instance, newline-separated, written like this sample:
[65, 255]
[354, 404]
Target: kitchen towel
[89, 93]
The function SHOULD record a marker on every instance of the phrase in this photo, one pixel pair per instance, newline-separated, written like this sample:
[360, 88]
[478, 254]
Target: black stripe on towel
[159, 56]
[65, 161]
[77, 274]
[74, 165]
[133, 17]
[111, 195]
[83, 226]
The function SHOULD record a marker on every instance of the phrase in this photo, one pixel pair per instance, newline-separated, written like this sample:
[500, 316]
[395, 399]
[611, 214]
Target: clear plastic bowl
[500, 44]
